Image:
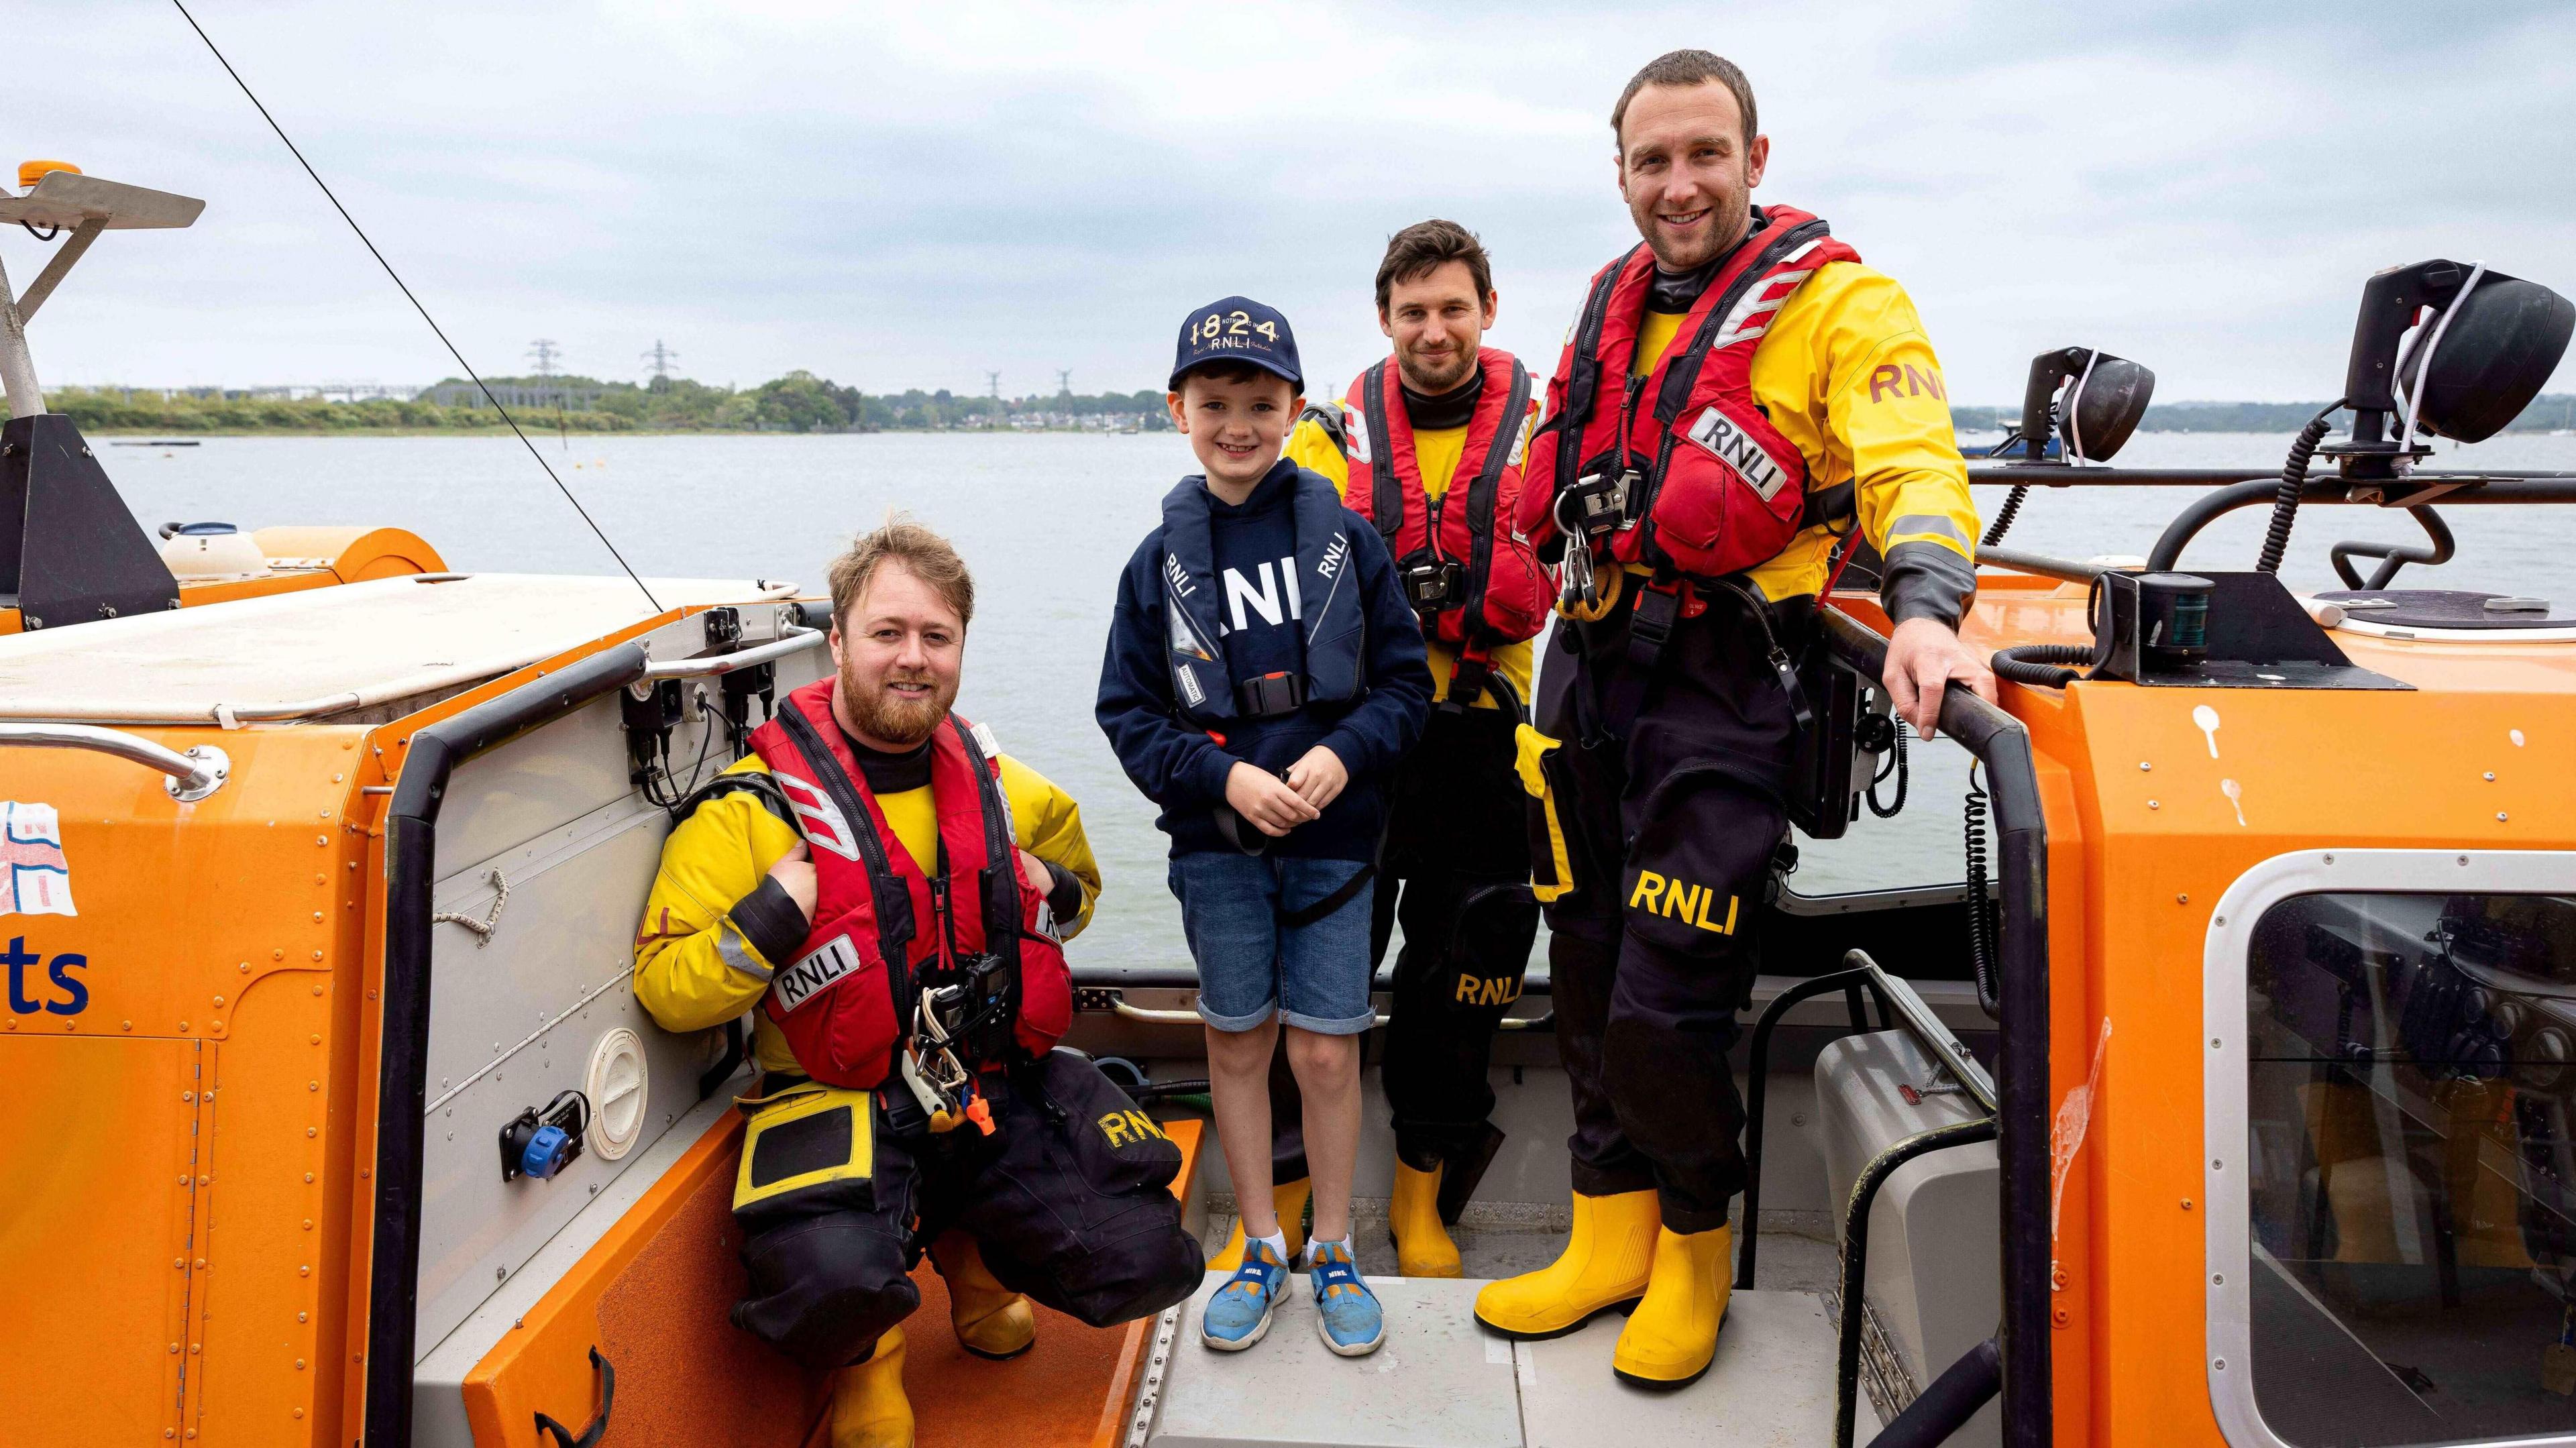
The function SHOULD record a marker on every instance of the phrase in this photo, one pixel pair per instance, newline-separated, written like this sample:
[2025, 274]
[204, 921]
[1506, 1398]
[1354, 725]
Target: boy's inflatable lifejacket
[1321, 594]
[1473, 579]
[1712, 488]
[878, 928]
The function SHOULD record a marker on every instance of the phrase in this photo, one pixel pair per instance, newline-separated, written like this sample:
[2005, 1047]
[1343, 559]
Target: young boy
[1264, 676]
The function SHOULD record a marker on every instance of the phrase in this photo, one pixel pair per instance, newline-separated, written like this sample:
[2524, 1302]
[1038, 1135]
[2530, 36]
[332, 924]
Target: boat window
[2412, 1063]
[1920, 845]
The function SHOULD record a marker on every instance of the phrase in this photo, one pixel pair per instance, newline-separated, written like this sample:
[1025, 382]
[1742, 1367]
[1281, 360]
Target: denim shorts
[1315, 977]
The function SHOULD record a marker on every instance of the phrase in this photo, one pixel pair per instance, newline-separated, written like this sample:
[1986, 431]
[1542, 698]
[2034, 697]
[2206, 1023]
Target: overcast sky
[909, 195]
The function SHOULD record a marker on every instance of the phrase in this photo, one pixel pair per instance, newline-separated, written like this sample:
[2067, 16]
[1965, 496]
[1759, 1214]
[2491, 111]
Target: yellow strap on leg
[1531, 765]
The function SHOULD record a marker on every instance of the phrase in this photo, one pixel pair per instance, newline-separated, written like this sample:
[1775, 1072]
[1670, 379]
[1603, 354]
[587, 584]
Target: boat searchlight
[2103, 399]
[2472, 364]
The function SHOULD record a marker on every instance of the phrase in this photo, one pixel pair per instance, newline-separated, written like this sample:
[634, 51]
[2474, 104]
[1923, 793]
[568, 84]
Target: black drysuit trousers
[1671, 822]
[1456, 877]
[1069, 1201]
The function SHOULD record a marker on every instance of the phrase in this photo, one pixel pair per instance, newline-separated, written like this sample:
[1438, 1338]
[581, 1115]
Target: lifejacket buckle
[1650, 624]
[1270, 695]
[1600, 504]
[1467, 683]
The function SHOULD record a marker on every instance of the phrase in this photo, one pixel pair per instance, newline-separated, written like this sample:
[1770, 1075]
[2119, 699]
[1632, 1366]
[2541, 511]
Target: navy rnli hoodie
[1179, 763]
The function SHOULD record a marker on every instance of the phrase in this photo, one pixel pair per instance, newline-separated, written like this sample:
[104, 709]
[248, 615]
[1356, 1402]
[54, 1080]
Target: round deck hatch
[619, 1087]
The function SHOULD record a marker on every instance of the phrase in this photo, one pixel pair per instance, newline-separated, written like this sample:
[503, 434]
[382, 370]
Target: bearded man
[888, 894]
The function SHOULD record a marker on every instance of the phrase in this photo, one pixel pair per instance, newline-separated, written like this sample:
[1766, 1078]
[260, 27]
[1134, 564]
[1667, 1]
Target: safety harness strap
[1484, 494]
[1386, 488]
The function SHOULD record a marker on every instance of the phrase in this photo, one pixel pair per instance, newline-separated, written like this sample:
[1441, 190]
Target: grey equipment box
[1933, 1284]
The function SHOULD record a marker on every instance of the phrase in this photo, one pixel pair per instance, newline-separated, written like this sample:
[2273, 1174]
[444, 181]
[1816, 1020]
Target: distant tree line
[803, 402]
[797, 402]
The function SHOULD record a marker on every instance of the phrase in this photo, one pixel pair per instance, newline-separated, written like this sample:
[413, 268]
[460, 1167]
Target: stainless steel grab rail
[1152, 1017]
[795, 640]
[193, 773]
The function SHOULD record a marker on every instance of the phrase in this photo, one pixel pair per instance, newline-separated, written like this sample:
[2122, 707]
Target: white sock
[1344, 1244]
[1277, 1242]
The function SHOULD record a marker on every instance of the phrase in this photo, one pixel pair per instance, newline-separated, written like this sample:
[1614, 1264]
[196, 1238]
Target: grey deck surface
[1441, 1381]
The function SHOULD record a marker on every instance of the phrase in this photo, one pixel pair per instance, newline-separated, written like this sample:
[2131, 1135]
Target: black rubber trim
[402, 1078]
[772, 921]
[2002, 745]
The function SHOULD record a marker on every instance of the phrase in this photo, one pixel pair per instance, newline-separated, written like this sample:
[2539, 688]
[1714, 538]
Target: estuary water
[1047, 520]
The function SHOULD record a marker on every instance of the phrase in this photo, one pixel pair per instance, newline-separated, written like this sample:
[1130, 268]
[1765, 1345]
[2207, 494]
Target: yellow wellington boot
[1289, 1200]
[1422, 1245]
[991, 1320]
[869, 1409]
[1606, 1261]
[1673, 1333]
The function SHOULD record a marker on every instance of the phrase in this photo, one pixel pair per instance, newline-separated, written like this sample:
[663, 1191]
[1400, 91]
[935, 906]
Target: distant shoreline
[547, 435]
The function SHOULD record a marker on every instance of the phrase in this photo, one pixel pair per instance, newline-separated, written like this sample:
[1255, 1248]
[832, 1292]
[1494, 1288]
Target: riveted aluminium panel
[515, 1013]
[93, 1322]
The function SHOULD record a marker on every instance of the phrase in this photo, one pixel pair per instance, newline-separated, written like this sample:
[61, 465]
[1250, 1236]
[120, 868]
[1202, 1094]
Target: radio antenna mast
[405, 289]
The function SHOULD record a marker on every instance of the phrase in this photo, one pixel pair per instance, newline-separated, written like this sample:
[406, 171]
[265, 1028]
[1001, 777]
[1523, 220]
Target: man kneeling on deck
[891, 893]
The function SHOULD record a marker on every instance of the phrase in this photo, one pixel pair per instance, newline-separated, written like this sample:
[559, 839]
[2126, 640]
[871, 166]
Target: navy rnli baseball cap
[1238, 329]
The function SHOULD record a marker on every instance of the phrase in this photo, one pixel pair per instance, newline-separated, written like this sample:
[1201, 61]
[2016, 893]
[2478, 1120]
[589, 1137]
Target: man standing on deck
[1738, 395]
[1428, 445]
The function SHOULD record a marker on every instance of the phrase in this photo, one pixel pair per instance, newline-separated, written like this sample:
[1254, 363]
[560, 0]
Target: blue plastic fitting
[547, 1152]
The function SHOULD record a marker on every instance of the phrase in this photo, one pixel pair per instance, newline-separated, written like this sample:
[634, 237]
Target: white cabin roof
[321, 651]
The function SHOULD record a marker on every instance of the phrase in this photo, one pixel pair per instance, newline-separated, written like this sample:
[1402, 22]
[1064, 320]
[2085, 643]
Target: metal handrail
[194, 773]
[794, 640]
[1147, 1015]
[1917, 1016]
[2002, 745]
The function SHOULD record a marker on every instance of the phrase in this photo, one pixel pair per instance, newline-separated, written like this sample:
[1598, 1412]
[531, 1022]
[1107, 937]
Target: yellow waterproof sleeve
[1312, 448]
[1049, 825]
[693, 969]
[1846, 372]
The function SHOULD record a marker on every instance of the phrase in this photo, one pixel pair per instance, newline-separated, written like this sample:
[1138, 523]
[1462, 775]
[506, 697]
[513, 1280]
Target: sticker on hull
[35, 875]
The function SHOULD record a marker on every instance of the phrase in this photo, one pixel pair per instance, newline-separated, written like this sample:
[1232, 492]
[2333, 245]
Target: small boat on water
[2231, 1097]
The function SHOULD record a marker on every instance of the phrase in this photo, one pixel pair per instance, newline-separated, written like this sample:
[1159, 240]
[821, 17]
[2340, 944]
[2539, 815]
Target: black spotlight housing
[2477, 358]
[2105, 398]
[2498, 346]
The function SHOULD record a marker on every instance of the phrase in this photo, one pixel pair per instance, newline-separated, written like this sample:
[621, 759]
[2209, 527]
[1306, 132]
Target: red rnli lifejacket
[881, 921]
[1716, 489]
[1503, 592]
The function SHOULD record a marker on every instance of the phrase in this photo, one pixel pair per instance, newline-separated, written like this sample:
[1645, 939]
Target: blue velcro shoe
[1239, 1313]
[1346, 1312]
